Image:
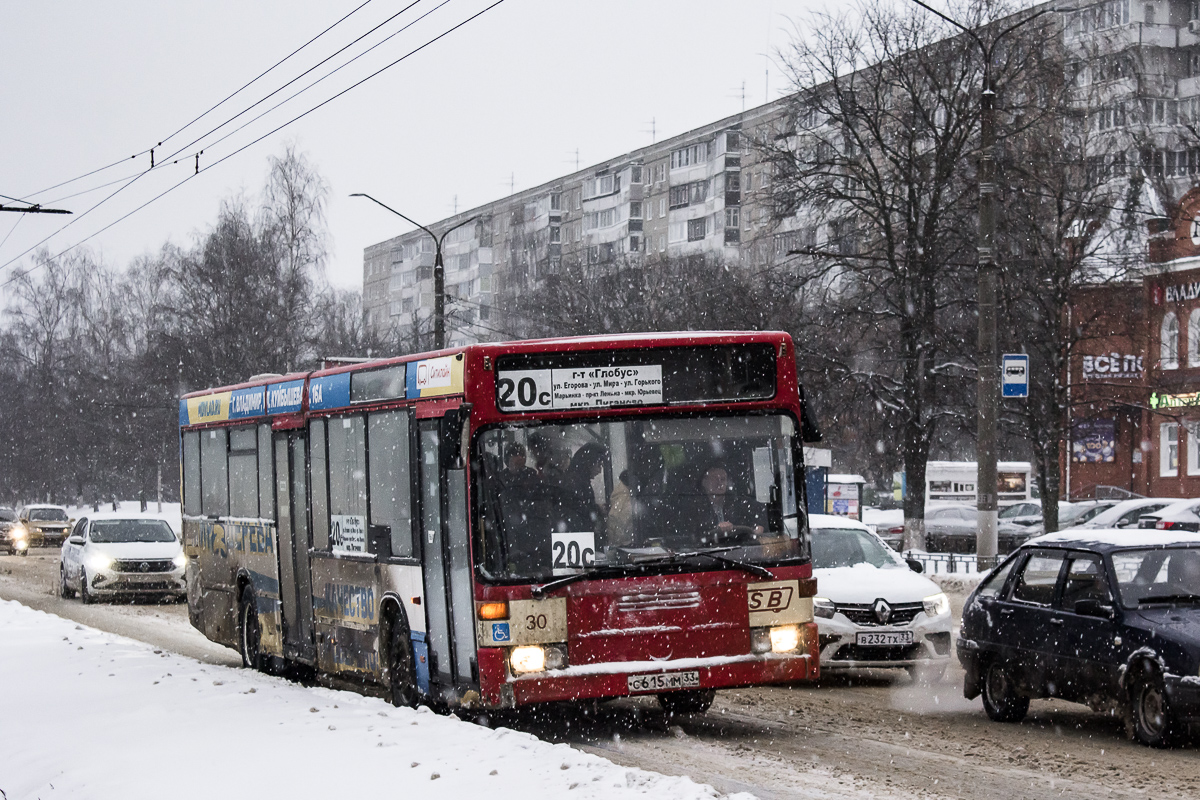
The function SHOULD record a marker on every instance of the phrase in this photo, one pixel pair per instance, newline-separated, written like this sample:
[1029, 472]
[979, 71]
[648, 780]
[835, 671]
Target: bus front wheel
[690, 702]
[251, 633]
[402, 668]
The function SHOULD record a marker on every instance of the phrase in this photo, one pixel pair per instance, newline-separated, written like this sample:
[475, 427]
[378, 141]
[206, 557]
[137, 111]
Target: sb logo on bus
[774, 599]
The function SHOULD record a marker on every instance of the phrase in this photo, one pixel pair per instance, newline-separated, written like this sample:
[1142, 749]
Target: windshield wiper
[715, 554]
[566, 580]
[1170, 598]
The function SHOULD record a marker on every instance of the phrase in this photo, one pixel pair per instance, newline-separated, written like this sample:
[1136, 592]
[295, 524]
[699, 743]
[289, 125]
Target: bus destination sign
[582, 387]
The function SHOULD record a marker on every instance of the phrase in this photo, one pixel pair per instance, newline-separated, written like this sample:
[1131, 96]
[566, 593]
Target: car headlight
[20, 533]
[937, 604]
[99, 561]
[785, 638]
[824, 607]
[180, 560]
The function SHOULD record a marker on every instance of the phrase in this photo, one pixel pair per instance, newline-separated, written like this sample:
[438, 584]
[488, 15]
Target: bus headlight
[527, 658]
[937, 604]
[785, 638]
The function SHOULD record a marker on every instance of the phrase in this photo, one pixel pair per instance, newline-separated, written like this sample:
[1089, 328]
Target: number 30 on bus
[507, 524]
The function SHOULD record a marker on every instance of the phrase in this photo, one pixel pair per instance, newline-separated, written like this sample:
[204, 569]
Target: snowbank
[92, 715]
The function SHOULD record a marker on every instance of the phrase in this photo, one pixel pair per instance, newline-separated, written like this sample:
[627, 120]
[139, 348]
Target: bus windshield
[563, 498]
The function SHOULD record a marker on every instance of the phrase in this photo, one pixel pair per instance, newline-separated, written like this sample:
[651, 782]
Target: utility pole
[988, 380]
[439, 271]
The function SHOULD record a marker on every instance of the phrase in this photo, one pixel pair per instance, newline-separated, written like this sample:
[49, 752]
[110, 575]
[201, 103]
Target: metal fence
[945, 563]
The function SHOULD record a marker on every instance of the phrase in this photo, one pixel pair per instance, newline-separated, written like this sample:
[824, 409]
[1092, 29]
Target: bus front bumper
[501, 689]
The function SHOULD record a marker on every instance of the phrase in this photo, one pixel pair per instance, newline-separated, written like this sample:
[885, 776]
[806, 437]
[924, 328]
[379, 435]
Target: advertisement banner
[1094, 441]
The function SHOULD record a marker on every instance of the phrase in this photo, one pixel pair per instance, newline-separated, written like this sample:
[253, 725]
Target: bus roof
[435, 373]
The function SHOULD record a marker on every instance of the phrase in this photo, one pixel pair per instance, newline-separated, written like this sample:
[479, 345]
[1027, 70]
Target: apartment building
[1136, 66]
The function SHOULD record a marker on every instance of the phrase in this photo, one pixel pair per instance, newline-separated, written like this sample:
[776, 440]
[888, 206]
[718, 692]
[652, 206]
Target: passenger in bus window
[637, 502]
[517, 477]
[551, 461]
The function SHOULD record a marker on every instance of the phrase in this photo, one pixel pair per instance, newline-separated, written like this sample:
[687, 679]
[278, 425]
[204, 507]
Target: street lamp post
[439, 271]
[988, 375]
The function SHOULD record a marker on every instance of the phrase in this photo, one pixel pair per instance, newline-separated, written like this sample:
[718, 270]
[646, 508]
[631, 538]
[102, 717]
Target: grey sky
[510, 96]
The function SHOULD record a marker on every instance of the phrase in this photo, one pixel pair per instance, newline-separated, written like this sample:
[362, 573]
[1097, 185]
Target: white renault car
[106, 556]
[872, 608]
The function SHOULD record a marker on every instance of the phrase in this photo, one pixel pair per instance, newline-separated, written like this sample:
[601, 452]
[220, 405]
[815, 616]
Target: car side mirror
[76, 540]
[1093, 608]
[914, 565]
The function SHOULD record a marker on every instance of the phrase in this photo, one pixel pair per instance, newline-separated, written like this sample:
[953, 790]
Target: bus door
[291, 513]
[449, 597]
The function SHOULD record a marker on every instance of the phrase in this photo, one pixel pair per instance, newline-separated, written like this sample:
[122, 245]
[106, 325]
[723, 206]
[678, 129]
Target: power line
[206, 113]
[230, 155]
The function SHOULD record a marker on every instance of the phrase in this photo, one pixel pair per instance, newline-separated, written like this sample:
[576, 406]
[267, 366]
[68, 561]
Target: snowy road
[881, 736]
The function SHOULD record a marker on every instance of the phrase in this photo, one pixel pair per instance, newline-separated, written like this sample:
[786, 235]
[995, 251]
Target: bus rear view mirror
[452, 426]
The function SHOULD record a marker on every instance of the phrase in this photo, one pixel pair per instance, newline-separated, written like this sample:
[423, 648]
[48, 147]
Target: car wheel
[1150, 717]
[251, 633]
[690, 702]
[85, 596]
[1001, 700]
[402, 669]
[63, 590]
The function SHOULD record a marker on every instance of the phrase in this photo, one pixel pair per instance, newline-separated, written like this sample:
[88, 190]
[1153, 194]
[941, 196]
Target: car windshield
[850, 547]
[7, 515]
[1019, 510]
[107, 531]
[563, 499]
[48, 514]
[1159, 575]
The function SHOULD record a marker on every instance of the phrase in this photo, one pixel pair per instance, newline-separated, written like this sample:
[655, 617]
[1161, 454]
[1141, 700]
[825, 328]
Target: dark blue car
[1106, 618]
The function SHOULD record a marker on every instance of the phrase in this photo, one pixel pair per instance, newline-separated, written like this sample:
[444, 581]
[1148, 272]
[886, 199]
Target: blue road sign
[1014, 375]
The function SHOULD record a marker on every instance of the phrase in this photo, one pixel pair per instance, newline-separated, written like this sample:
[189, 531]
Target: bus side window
[347, 484]
[266, 474]
[391, 478]
[191, 473]
[243, 472]
[214, 472]
[320, 484]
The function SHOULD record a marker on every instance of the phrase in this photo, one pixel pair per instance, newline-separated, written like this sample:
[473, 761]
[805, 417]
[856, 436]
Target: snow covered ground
[88, 714]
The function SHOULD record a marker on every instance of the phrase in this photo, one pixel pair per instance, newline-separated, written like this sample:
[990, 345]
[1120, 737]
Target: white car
[106, 556]
[1126, 513]
[872, 608]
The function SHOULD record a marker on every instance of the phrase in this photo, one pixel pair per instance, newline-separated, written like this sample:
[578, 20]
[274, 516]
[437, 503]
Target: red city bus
[507, 524]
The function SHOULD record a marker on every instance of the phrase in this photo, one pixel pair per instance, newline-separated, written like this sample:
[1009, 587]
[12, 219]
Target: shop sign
[1094, 441]
[1174, 400]
[1110, 366]
[1185, 291]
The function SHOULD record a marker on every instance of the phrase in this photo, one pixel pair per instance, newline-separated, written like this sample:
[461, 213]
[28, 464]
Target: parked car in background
[887, 523]
[873, 609]
[13, 536]
[1182, 515]
[1110, 619]
[1126, 513]
[1025, 513]
[1073, 515]
[954, 529]
[46, 525]
[107, 556]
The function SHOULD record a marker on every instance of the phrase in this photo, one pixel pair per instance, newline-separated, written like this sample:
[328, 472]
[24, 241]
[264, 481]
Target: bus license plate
[883, 638]
[664, 681]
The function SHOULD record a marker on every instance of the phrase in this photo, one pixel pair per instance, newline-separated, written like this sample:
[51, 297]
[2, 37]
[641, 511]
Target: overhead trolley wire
[275, 130]
[169, 160]
[209, 111]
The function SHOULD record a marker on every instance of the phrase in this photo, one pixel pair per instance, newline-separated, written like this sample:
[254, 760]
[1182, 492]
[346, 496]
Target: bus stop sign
[1015, 371]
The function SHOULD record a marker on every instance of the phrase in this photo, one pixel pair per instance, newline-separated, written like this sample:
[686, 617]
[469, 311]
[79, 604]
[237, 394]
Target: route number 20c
[572, 552]
[524, 390]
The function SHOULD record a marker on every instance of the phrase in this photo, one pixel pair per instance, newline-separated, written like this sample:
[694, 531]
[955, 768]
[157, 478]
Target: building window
[635, 243]
[635, 210]
[662, 206]
[556, 202]
[660, 173]
[697, 229]
[689, 156]
[635, 174]
[555, 234]
[1193, 446]
[1169, 342]
[1193, 338]
[733, 217]
[1168, 449]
